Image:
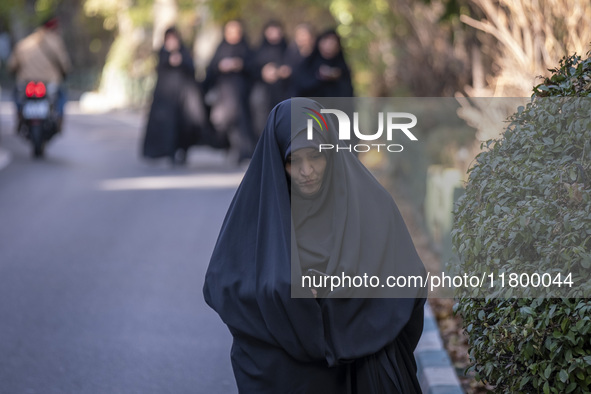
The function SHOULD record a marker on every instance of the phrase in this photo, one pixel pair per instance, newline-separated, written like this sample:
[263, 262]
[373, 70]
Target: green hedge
[528, 204]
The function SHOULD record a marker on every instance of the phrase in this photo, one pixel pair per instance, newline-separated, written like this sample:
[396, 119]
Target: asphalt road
[102, 259]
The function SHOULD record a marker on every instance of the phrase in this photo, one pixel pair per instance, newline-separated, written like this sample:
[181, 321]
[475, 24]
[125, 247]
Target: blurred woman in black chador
[298, 209]
[296, 58]
[269, 72]
[328, 72]
[177, 116]
[227, 86]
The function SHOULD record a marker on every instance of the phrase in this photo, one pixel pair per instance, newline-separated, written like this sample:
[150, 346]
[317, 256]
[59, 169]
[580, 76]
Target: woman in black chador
[177, 114]
[270, 74]
[327, 70]
[328, 74]
[227, 83]
[296, 210]
[296, 58]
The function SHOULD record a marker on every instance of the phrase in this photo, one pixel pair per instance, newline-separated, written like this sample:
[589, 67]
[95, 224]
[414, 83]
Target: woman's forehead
[304, 152]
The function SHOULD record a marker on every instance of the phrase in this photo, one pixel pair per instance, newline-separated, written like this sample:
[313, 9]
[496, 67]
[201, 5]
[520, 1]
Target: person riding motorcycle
[41, 56]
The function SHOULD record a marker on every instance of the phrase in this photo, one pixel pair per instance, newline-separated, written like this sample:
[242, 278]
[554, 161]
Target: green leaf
[526, 310]
[548, 371]
[524, 381]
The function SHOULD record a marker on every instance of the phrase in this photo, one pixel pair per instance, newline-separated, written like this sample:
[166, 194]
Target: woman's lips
[308, 183]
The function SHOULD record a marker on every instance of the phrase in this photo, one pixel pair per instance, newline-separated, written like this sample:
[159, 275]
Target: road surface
[102, 259]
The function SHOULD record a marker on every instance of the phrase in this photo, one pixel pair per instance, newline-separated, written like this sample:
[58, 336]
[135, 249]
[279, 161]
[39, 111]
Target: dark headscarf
[226, 50]
[314, 86]
[186, 65]
[268, 52]
[352, 226]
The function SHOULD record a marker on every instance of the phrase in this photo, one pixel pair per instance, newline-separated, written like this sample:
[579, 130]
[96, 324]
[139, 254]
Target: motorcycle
[37, 113]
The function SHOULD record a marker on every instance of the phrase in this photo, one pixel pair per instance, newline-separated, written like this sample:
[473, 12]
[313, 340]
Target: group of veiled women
[228, 110]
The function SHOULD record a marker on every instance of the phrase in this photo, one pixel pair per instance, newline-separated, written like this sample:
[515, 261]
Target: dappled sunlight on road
[200, 181]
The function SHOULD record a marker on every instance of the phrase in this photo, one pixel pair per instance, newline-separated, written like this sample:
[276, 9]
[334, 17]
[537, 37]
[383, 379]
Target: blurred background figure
[5, 44]
[270, 74]
[296, 57]
[227, 87]
[172, 123]
[328, 72]
[41, 57]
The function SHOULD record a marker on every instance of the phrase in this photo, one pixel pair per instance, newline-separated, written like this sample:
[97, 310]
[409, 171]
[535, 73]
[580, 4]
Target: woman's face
[306, 168]
[233, 32]
[171, 42]
[329, 46]
[304, 39]
[273, 34]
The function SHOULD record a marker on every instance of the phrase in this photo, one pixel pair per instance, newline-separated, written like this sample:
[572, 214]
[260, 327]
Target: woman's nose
[306, 169]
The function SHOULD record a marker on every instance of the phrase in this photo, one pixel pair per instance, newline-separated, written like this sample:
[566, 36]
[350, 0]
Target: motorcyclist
[42, 56]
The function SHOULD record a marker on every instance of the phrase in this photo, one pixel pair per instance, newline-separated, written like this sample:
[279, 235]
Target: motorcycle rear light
[40, 90]
[35, 89]
[30, 89]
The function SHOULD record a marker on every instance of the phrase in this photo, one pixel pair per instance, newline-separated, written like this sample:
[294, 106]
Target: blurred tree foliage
[523, 40]
[127, 76]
